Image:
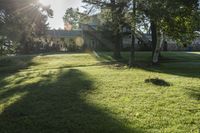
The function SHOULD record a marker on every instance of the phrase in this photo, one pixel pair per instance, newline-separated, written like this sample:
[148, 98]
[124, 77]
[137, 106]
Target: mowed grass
[81, 93]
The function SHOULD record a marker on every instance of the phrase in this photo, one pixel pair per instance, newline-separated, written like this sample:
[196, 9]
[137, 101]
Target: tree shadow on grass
[185, 69]
[194, 93]
[12, 64]
[183, 64]
[158, 82]
[58, 107]
[178, 63]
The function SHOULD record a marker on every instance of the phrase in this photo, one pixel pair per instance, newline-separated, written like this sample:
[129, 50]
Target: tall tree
[176, 19]
[22, 20]
[116, 9]
[72, 17]
[132, 49]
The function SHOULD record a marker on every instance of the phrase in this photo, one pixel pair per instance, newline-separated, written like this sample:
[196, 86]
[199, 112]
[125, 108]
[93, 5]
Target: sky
[59, 7]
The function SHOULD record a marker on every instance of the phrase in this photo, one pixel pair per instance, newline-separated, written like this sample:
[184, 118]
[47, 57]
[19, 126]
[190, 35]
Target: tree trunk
[23, 41]
[116, 31]
[1, 46]
[154, 36]
[132, 50]
[157, 41]
[117, 47]
[132, 55]
[160, 39]
[1, 50]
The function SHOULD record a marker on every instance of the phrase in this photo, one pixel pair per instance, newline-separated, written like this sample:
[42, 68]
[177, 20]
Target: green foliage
[22, 20]
[7, 46]
[177, 19]
[72, 45]
[73, 17]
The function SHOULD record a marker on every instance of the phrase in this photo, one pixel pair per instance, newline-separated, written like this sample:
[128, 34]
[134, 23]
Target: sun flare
[45, 2]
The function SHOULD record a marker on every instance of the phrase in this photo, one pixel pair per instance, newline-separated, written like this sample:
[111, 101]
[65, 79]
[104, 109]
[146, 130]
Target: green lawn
[80, 93]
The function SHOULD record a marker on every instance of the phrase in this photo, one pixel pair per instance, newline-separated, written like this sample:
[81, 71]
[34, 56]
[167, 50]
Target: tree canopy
[72, 16]
[22, 20]
[175, 19]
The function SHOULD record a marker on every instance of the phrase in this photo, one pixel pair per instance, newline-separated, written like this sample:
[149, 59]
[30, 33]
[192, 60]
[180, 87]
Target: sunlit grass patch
[9, 101]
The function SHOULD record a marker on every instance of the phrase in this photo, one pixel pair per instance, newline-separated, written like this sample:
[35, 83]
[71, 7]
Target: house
[62, 38]
[88, 36]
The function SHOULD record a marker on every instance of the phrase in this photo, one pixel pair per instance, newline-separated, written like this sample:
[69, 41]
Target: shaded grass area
[176, 63]
[14, 63]
[146, 56]
[79, 93]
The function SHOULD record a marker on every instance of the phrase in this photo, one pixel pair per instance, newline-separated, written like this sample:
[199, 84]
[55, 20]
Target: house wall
[90, 42]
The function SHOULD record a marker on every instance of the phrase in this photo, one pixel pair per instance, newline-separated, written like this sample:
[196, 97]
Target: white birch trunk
[160, 40]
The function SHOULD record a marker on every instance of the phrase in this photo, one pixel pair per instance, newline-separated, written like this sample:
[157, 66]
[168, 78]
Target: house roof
[64, 33]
